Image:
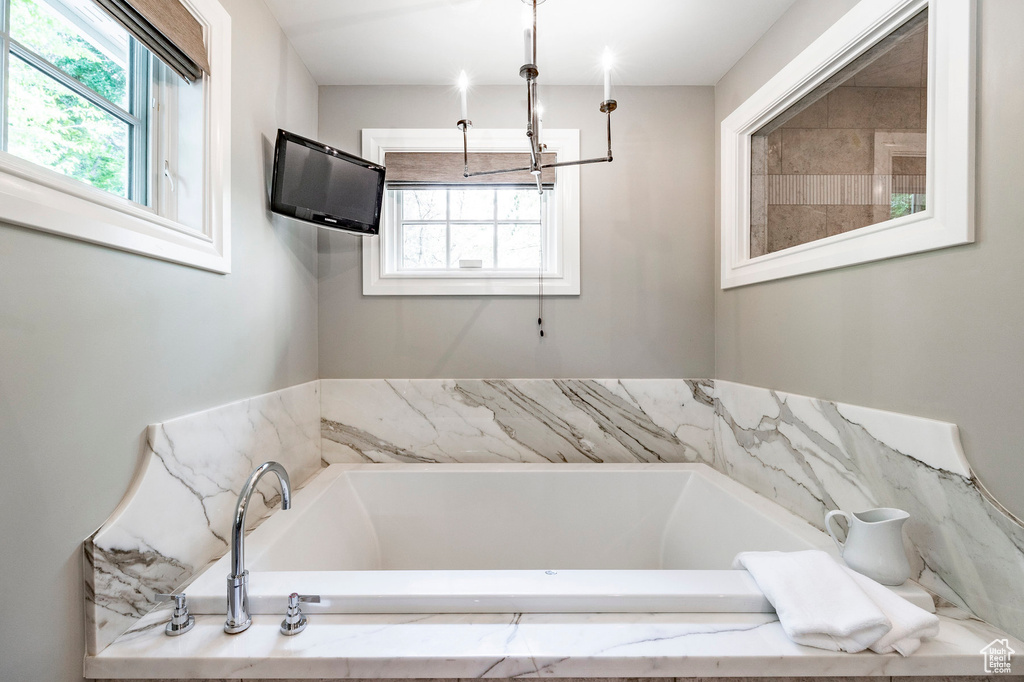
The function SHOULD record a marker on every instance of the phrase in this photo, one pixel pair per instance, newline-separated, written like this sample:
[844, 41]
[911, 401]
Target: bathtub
[516, 538]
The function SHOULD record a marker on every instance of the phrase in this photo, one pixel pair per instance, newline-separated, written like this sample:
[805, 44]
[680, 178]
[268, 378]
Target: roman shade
[409, 169]
[167, 29]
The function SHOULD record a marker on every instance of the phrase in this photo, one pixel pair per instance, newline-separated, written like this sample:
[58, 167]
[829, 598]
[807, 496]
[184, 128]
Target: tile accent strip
[177, 516]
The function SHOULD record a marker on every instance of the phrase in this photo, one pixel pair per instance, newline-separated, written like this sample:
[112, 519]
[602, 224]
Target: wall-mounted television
[325, 186]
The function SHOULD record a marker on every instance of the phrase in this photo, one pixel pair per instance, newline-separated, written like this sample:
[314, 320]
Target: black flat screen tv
[325, 186]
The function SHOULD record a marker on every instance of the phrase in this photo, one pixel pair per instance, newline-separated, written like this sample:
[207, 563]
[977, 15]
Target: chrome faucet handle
[295, 621]
[181, 622]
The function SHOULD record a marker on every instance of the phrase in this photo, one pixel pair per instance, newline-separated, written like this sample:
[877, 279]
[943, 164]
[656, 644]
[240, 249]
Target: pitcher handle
[828, 527]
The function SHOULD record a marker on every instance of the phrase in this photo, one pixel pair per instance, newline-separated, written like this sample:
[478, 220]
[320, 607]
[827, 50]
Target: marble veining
[813, 455]
[177, 517]
[529, 420]
[600, 645]
[809, 455]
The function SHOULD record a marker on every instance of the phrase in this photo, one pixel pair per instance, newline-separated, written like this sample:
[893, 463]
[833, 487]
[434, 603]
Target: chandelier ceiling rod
[530, 72]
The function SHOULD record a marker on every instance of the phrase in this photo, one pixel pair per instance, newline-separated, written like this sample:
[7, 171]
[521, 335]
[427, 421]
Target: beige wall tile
[789, 225]
[909, 165]
[901, 67]
[884, 108]
[839, 219]
[882, 212]
[814, 116]
[827, 151]
[758, 154]
[775, 153]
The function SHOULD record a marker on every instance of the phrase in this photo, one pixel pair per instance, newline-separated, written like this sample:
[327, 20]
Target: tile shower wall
[816, 175]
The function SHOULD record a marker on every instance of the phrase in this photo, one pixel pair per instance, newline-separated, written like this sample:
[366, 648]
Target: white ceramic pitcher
[874, 544]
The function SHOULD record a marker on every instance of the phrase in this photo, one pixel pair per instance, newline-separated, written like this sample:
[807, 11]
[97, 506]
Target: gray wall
[95, 344]
[938, 334]
[646, 308]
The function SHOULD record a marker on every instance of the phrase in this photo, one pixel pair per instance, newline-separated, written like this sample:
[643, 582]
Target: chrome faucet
[239, 618]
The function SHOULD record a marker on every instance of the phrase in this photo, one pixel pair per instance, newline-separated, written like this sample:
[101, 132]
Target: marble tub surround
[813, 455]
[517, 420]
[809, 455]
[177, 517]
[521, 645]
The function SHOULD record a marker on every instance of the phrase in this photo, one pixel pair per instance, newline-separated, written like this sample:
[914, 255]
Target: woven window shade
[408, 169]
[167, 29]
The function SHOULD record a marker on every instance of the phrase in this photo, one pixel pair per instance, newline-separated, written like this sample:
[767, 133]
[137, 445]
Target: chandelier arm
[497, 172]
[563, 164]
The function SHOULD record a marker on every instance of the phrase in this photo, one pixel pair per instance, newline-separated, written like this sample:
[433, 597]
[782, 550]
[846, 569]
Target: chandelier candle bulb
[463, 87]
[534, 113]
[607, 74]
[527, 35]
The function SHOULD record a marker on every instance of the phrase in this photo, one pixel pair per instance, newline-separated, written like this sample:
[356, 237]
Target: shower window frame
[948, 219]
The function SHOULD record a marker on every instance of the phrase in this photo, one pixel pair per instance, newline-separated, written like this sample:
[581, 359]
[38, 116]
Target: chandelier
[530, 72]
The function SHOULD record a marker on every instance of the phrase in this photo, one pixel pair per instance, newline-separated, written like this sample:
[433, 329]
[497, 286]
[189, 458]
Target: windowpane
[52, 126]
[424, 204]
[519, 246]
[423, 246]
[80, 39]
[518, 204]
[472, 204]
[472, 242]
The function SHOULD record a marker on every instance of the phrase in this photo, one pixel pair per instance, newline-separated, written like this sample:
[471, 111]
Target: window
[76, 98]
[905, 185]
[439, 238]
[100, 141]
[481, 229]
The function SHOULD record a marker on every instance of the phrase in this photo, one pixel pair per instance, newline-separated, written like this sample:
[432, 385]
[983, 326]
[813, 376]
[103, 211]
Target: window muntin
[438, 229]
[560, 236]
[76, 95]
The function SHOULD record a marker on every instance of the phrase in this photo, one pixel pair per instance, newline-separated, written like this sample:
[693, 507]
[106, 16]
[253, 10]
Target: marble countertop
[521, 645]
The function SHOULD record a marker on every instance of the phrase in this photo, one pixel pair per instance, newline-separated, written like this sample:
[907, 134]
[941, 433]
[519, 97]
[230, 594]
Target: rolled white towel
[823, 604]
[818, 604]
[910, 623]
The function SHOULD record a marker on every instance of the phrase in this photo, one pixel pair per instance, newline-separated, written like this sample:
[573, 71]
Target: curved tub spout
[238, 580]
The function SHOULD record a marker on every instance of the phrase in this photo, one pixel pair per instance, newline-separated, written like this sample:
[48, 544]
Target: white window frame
[563, 278]
[42, 199]
[949, 217]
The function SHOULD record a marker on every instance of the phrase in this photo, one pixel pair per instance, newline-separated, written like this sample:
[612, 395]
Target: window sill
[41, 199]
[466, 284]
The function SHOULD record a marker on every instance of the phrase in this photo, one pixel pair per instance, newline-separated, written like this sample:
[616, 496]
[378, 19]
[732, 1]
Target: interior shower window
[447, 229]
[76, 97]
[849, 154]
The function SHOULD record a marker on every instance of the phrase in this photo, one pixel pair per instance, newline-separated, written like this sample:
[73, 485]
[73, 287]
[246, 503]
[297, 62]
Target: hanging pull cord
[540, 287]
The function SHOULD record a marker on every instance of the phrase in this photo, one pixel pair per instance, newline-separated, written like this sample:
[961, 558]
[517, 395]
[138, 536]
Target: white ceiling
[655, 42]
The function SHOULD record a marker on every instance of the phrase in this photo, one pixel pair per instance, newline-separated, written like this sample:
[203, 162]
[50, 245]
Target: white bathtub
[517, 538]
